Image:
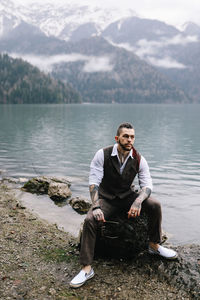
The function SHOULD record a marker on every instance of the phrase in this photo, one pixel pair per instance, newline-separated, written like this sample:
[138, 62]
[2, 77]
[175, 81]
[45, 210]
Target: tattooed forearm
[94, 195]
[143, 194]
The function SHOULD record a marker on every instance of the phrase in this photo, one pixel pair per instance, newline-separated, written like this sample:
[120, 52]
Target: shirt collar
[115, 152]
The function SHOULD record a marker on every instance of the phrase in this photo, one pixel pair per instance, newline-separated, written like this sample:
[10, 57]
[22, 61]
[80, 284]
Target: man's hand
[98, 214]
[135, 209]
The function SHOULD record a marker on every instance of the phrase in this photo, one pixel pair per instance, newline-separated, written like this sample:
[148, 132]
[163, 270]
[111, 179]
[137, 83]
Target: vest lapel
[128, 166]
[115, 163]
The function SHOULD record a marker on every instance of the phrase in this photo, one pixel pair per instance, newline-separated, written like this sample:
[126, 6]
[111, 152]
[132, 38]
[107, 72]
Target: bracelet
[96, 207]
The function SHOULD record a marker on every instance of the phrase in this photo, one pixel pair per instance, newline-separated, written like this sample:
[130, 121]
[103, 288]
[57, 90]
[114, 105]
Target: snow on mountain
[11, 15]
[59, 20]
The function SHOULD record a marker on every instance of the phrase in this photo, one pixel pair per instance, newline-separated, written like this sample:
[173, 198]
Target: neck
[122, 152]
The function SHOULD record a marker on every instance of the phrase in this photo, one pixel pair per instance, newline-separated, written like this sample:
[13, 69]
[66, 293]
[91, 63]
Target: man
[112, 172]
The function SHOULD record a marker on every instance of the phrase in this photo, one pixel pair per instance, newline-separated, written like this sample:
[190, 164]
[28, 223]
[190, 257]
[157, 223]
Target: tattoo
[94, 195]
[143, 194]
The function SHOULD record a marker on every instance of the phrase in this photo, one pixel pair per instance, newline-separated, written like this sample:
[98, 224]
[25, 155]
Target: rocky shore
[37, 261]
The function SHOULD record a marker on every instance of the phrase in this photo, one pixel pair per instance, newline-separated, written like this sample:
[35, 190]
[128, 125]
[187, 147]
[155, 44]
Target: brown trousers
[150, 206]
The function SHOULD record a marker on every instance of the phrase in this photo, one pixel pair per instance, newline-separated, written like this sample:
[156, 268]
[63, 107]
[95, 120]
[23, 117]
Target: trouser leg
[153, 210]
[89, 233]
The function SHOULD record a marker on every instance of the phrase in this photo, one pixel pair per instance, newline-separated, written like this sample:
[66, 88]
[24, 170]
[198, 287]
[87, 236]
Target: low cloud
[166, 62]
[145, 47]
[151, 47]
[152, 51]
[46, 63]
[98, 64]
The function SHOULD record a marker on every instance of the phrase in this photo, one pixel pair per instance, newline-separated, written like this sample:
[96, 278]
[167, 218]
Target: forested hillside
[20, 82]
[113, 74]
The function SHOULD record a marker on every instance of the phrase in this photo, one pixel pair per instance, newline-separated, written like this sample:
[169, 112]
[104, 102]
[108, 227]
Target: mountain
[22, 83]
[49, 30]
[173, 52]
[27, 38]
[105, 73]
[133, 29]
[191, 28]
[59, 20]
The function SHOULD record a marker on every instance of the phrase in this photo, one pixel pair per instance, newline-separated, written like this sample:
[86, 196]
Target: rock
[59, 191]
[118, 237]
[184, 272]
[122, 237]
[8, 180]
[80, 204]
[52, 292]
[22, 180]
[56, 187]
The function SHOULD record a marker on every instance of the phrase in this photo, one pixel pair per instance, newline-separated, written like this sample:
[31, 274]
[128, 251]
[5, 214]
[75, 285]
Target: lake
[62, 140]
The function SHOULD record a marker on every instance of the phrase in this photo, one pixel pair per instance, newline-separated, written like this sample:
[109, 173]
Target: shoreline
[38, 260]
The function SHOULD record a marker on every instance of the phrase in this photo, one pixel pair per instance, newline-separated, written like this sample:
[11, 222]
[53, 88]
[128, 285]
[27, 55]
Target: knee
[156, 207]
[89, 220]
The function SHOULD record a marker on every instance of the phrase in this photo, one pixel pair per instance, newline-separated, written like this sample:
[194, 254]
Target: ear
[116, 138]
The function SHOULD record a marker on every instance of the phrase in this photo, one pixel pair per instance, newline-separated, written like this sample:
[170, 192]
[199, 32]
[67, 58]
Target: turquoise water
[62, 139]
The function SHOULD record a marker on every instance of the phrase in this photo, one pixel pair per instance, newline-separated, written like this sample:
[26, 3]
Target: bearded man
[112, 172]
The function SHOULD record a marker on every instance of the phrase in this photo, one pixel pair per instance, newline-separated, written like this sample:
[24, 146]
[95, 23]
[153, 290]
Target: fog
[46, 63]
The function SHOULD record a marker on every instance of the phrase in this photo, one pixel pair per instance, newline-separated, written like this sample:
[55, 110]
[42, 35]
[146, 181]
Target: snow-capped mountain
[49, 29]
[58, 20]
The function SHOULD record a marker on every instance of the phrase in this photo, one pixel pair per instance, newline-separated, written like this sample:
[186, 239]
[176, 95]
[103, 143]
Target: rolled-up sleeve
[96, 168]
[144, 175]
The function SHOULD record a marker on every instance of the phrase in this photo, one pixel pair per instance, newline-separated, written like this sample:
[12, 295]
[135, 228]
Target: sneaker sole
[80, 284]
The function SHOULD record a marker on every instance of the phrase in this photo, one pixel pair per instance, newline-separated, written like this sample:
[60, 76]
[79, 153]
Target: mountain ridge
[173, 53]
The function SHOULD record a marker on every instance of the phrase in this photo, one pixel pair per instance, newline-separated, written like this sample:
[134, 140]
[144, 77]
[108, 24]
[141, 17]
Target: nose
[129, 138]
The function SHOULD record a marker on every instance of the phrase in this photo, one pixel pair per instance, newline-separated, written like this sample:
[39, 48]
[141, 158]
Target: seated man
[112, 172]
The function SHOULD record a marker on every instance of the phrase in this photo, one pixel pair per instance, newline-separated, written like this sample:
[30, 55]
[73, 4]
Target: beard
[125, 147]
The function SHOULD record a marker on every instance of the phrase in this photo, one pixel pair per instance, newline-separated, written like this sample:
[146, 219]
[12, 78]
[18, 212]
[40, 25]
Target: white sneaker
[81, 278]
[164, 252]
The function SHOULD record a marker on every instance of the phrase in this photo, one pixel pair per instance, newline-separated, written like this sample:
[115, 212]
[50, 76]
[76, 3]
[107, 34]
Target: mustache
[124, 146]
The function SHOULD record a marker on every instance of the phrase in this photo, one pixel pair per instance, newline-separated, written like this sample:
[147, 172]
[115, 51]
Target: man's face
[126, 139]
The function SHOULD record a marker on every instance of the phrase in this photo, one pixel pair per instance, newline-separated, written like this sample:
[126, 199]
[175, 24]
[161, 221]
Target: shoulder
[108, 148]
[143, 163]
[99, 154]
[98, 159]
[136, 155]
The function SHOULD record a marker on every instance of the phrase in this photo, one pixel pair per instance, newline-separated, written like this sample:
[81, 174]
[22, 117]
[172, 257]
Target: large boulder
[80, 204]
[58, 188]
[121, 237]
[118, 237]
[59, 191]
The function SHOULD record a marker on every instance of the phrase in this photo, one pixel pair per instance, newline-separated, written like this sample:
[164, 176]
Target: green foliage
[22, 83]
[56, 254]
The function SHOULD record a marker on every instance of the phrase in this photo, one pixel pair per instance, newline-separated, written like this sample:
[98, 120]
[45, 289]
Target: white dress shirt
[96, 168]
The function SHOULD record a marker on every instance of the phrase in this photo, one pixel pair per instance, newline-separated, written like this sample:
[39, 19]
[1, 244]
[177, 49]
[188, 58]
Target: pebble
[52, 291]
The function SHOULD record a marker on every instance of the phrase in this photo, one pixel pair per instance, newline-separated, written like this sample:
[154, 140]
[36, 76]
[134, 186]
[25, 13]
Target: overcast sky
[171, 11]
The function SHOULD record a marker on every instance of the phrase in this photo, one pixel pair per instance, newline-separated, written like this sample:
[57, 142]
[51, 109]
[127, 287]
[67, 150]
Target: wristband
[96, 207]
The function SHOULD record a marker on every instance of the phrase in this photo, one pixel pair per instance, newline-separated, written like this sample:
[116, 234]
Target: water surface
[62, 139]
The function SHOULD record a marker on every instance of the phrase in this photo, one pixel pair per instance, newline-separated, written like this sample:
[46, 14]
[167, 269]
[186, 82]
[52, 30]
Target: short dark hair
[124, 125]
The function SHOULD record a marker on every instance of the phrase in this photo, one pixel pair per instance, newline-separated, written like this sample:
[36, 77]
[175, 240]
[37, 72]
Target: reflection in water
[62, 139]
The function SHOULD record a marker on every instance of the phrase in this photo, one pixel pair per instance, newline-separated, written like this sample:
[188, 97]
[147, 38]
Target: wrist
[138, 200]
[96, 207]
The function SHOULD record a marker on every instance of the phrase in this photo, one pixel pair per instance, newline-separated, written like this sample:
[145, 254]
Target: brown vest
[114, 184]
